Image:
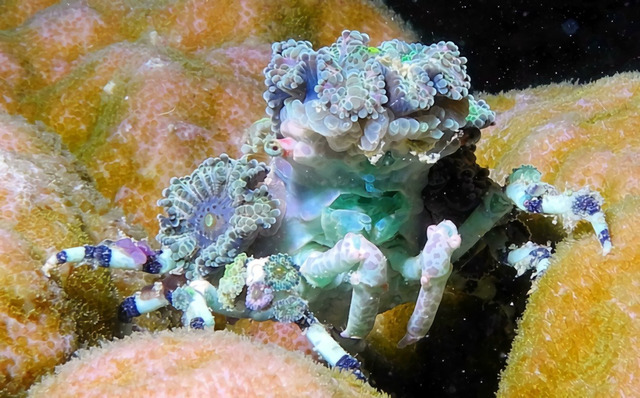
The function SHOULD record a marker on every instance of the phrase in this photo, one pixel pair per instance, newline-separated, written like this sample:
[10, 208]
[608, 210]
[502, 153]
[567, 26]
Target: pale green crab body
[336, 218]
[378, 206]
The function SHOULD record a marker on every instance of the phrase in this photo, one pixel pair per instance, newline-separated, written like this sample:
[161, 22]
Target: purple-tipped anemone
[259, 296]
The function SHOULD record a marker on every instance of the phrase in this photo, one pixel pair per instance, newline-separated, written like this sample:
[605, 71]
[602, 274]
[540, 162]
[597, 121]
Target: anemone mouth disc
[211, 219]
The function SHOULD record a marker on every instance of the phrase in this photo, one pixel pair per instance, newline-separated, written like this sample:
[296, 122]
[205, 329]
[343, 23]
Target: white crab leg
[124, 254]
[148, 300]
[442, 240]
[531, 195]
[329, 349]
[368, 280]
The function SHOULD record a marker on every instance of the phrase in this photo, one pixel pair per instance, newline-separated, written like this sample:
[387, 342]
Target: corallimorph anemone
[289, 309]
[259, 296]
[217, 211]
[280, 273]
[399, 96]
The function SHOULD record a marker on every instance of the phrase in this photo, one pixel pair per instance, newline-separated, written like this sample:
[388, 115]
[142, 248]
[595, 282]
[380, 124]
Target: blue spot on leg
[585, 205]
[197, 323]
[102, 253]
[128, 309]
[61, 257]
[533, 205]
[347, 362]
[604, 236]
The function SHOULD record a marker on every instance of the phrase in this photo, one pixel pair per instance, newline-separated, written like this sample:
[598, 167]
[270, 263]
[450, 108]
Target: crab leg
[368, 280]
[494, 206]
[529, 194]
[528, 256]
[442, 240]
[123, 253]
[190, 299]
[327, 347]
[150, 298]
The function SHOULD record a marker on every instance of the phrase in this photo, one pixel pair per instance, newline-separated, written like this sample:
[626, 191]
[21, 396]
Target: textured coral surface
[580, 332]
[45, 201]
[172, 364]
[142, 91]
[286, 335]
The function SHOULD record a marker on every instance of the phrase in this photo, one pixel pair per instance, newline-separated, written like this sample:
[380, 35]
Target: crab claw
[530, 194]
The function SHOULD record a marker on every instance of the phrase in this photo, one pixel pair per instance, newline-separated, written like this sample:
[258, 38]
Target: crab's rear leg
[369, 279]
[435, 264]
[123, 254]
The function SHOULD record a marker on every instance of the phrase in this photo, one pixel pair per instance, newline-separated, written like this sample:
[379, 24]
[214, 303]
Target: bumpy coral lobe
[286, 335]
[189, 363]
[15, 12]
[580, 330]
[41, 208]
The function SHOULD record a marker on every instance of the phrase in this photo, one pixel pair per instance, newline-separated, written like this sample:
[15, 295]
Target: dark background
[517, 44]
[510, 45]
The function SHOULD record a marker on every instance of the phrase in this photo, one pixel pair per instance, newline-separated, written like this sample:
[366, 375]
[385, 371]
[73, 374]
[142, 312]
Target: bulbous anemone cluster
[371, 99]
[216, 212]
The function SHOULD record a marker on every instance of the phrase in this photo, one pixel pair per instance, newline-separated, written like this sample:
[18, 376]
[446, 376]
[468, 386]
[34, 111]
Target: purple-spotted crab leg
[435, 262]
[124, 254]
[368, 280]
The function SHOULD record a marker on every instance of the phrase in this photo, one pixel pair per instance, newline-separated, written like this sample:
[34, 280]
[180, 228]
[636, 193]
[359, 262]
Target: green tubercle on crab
[233, 281]
[526, 173]
[377, 218]
[182, 297]
[480, 115]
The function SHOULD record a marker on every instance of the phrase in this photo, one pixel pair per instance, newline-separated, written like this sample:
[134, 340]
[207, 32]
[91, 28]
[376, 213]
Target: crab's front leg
[369, 279]
[123, 254]
[531, 195]
[435, 267]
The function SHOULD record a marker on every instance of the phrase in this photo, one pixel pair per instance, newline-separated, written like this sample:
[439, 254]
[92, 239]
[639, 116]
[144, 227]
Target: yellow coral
[41, 207]
[579, 334]
[197, 363]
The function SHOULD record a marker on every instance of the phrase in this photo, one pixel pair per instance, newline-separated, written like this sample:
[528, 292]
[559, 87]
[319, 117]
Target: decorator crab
[339, 208]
